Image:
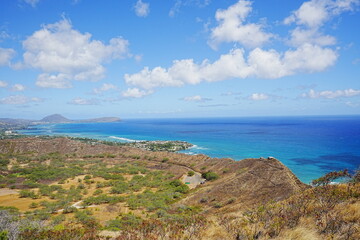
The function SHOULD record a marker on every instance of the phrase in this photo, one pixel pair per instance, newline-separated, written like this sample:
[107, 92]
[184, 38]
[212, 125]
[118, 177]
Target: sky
[179, 58]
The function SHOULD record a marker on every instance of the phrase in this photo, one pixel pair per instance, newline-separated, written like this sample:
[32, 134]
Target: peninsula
[11, 123]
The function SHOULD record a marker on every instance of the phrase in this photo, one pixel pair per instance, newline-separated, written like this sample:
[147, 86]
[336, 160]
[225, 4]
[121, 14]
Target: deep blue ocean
[309, 146]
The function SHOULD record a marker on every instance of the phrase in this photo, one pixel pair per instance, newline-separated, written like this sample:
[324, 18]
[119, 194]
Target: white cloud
[82, 101]
[232, 27]
[62, 52]
[6, 54]
[259, 63]
[311, 16]
[60, 80]
[32, 2]
[312, 13]
[309, 58]
[142, 9]
[310, 51]
[19, 100]
[315, 13]
[331, 94]
[258, 96]
[104, 88]
[3, 84]
[135, 93]
[300, 36]
[196, 98]
[18, 88]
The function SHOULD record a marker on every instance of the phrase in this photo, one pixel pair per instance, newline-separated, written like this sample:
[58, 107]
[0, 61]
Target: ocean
[309, 146]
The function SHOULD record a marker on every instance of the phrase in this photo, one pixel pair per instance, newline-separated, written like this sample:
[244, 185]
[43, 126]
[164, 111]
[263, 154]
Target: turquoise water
[309, 146]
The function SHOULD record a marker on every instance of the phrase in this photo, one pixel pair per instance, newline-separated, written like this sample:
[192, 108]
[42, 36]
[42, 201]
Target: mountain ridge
[12, 123]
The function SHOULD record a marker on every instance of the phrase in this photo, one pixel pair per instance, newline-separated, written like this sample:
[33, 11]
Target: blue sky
[179, 58]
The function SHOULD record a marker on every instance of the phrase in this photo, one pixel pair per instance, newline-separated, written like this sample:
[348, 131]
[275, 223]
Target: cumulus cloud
[258, 96]
[135, 93]
[18, 88]
[311, 50]
[83, 101]
[104, 88]
[232, 27]
[235, 64]
[315, 13]
[19, 100]
[3, 84]
[312, 15]
[142, 9]
[196, 98]
[6, 54]
[63, 53]
[332, 94]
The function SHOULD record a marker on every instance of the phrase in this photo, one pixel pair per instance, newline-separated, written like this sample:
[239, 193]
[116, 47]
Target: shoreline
[307, 146]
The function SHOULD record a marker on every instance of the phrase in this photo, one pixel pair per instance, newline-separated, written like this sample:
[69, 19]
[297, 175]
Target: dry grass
[299, 233]
[13, 200]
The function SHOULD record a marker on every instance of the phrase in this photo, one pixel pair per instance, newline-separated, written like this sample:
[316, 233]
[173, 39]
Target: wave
[199, 148]
[124, 139]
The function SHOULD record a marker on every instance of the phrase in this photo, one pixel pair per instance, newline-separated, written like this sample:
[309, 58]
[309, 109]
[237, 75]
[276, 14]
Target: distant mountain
[55, 118]
[10, 123]
[103, 119]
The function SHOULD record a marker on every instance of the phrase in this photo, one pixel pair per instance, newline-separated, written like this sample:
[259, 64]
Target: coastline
[309, 146]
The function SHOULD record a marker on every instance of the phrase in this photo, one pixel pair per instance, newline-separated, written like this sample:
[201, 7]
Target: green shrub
[33, 205]
[182, 189]
[126, 221]
[218, 205]
[210, 176]
[191, 173]
[58, 219]
[119, 187]
[28, 194]
[87, 177]
[98, 191]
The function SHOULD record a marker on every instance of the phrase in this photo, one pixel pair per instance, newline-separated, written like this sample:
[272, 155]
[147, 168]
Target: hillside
[55, 118]
[143, 194]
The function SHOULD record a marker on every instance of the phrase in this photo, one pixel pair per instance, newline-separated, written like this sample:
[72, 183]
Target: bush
[58, 219]
[98, 191]
[126, 221]
[191, 173]
[103, 199]
[28, 194]
[33, 205]
[87, 177]
[182, 189]
[210, 176]
[119, 187]
[4, 162]
[30, 184]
